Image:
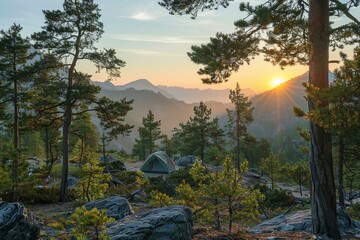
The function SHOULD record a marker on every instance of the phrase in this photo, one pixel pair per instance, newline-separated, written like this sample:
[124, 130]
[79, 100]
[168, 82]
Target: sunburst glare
[277, 81]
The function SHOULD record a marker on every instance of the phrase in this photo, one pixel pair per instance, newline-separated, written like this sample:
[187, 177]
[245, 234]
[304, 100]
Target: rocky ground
[293, 225]
[278, 228]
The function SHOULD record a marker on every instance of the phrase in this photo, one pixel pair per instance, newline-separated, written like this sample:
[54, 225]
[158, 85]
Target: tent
[158, 163]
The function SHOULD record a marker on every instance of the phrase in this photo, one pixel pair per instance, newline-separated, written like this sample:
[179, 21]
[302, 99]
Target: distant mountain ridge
[188, 95]
[273, 109]
[195, 95]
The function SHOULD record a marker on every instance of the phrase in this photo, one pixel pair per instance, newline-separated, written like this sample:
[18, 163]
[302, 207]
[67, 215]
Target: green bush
[74, 171]
[127, 177]
[276, 198]
[85, 224]
[35, 195]
[114, 165]
[169, 184]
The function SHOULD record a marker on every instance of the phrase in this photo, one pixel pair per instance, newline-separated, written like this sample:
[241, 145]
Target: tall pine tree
[70, 35]
[14, 57]
[296, 32]
[149, 133]
[239, 118]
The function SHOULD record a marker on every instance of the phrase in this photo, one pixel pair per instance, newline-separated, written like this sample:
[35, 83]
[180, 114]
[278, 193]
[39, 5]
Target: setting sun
[277, 81]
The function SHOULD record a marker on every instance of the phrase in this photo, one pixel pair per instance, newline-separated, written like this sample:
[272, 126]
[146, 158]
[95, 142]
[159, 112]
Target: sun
[277, 81]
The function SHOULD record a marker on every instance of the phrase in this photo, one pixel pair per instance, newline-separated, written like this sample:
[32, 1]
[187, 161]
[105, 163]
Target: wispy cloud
[161, 39]
[142, 16]
[149, 53]
[141, 52]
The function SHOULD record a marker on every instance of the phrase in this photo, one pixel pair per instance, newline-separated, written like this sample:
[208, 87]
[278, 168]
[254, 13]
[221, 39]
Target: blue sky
[152, 42]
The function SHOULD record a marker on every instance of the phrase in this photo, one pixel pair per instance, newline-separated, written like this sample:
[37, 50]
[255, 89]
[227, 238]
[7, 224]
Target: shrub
[168, 185]
[127, 177]
[85, 224]
[34, 195]
[277, 198]
[114, 165]
[93, 182]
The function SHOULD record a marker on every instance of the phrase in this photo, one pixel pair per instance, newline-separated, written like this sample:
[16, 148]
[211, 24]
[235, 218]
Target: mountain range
[188, 95]
[273, 109]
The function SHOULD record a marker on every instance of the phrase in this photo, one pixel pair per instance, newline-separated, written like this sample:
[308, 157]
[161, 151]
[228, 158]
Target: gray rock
[294, 221]
[117, 207]
[301, 221]
[167, 223]
[185, 161]
[17, 223]
[72, 181]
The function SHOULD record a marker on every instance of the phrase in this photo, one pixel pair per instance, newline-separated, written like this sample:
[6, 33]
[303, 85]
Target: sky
[154, 43]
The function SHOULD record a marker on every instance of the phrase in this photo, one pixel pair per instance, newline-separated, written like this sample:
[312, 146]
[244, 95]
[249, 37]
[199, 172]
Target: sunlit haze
[277, 81]
[153, 43]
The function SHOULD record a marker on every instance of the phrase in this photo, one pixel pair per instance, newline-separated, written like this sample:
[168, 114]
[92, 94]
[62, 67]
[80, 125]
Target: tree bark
[341, 172]
[16, 140]
[323, 196]
[300, 188]
[65, 151]
[238, 153]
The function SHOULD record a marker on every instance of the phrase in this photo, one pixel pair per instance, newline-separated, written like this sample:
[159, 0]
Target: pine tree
[14, 56]
[194, 135]
[149, 133]
[70, 35]
[272, 166]
[239, 118]
[296, 32]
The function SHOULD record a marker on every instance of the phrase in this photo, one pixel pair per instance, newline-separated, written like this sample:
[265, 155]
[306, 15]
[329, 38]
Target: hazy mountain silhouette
[140, 84]
[273, 109]
[171, 112]
[195, 95]
[188, 95]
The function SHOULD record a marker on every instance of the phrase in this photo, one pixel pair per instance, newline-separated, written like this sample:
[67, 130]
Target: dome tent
[158, 163]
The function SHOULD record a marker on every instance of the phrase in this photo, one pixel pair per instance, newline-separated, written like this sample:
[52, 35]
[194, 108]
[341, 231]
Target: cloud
[161, 39]
[141, 52]
[142, 16]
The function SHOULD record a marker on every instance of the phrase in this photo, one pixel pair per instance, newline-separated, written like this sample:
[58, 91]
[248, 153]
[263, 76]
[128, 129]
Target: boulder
[167, 223]
[17, 223]
[301, 221]
[185, 161]
[72, 181]
[117, 207]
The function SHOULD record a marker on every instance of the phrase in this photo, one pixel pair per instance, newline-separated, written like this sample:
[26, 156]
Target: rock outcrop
[117, 207]
[301, 221]
[17, 223]
[167, 223]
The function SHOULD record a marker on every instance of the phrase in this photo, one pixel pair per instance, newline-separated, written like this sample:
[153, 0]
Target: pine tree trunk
[16, 140]
[65, 153]
[323, 196]
[341, 172]
[238, 153]
[300, 188]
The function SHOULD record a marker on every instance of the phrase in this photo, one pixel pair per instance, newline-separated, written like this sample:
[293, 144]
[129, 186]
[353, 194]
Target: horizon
[154, 43]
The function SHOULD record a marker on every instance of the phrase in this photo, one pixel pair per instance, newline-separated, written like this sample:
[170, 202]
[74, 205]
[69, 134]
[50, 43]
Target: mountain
[195, 95]
[273, 109]
[188, 95]
[140, 84]
[170, 111]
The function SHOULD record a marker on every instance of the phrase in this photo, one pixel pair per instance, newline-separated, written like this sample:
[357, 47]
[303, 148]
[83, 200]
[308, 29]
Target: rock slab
[17, 223]
[167, 223]
[301, 221]
[117, 207]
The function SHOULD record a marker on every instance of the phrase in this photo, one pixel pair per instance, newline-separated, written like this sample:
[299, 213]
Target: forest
[209, 179]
